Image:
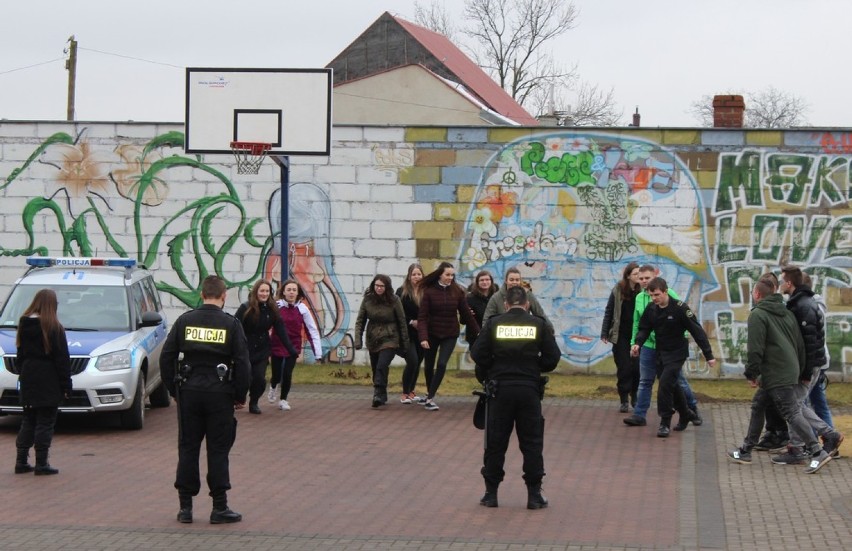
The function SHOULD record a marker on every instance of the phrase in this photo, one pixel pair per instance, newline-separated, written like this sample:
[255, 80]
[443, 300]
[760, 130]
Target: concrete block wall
[712, 208]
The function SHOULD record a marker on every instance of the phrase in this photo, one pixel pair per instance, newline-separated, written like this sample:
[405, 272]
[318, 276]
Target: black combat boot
[22, 462]
[534, 498]
[221, 514]
[490, 497]
[664, 430]
[185, 513]
[377, 396]
[42, 467]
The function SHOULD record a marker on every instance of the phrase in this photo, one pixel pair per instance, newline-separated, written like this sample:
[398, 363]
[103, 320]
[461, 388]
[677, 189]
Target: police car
[115, 326]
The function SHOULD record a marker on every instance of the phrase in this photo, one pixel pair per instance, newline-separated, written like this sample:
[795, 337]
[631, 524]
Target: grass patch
[461, 383]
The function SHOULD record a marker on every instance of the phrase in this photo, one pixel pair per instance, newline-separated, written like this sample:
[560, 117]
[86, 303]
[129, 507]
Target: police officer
[209, 383]
[511, 353]
[668, 319]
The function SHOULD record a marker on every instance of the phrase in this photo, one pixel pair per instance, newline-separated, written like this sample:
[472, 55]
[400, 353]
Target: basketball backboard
[288, 108]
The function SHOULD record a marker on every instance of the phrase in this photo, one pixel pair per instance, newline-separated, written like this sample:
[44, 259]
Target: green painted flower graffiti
[197, 237]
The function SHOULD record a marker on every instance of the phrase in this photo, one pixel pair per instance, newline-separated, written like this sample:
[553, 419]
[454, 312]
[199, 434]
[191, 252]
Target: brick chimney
[637, 118]
[728, 111]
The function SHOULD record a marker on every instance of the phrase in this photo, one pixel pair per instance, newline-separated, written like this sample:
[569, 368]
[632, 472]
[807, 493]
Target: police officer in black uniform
[668, 319]
[209, 382]
[511, 353]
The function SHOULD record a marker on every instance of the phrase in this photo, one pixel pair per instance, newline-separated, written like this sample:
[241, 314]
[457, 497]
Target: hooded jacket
[385, 324]
[45, 376]
[776, 351]
[812, 325]
[296, 317]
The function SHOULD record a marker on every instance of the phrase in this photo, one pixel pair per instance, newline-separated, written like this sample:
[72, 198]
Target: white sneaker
[272, 395]
[283, 405]
[430, 405]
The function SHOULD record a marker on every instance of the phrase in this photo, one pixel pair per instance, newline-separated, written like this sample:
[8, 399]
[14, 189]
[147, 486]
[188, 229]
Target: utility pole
[71, 66]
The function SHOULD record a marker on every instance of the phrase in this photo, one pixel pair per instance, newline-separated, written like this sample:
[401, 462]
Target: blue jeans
[819, 403]
[647, 374]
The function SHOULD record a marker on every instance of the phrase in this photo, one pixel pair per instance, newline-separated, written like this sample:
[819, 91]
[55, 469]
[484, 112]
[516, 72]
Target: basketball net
[249, 156]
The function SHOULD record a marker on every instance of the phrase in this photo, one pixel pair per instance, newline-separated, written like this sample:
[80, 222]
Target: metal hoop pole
[283, 161]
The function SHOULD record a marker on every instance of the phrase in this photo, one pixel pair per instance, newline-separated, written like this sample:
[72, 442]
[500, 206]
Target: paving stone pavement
[335, 473]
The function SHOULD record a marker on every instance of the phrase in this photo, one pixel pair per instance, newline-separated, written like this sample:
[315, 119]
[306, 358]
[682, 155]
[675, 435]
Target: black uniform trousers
[210, 416]
[517, 405]
[670, 395]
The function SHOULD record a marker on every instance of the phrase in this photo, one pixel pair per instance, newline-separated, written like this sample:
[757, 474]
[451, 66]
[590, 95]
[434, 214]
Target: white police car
[115, 326]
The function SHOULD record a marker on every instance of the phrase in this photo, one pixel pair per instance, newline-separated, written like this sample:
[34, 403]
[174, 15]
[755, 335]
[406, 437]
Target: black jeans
[517, 406]
[670, 395]
[258, 380]
[210, 416]
[413, 358]
[441, 349]
[37, 426]
[282, 373]
[626, 370]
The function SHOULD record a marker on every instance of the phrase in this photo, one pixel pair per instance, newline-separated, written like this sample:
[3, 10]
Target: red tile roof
[468, 73]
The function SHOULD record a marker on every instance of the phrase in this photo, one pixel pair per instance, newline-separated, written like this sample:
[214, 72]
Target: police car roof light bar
[77, 262]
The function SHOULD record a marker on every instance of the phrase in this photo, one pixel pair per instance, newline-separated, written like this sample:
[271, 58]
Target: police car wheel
[134, 417]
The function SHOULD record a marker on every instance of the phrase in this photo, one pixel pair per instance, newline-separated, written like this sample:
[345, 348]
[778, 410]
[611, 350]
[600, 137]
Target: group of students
[787, 360]
[421, 323]
[641, 358]
[273, 327]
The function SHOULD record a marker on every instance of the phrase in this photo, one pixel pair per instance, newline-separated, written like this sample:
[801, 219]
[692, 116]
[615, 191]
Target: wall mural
[571, 209]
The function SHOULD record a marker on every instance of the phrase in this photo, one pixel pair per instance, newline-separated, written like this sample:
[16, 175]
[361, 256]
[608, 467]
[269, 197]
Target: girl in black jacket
[45, 379]
[409, 294]
[617, 329]
[258, 315]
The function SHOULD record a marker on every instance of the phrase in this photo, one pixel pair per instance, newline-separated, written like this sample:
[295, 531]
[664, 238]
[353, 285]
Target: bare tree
[773, 108]
[594, 107]
[767, 108]
[509, 42]
[435, 17]
[512, 35]
[583, 104]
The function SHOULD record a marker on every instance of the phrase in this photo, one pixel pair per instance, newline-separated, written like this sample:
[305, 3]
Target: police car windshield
[81, 307]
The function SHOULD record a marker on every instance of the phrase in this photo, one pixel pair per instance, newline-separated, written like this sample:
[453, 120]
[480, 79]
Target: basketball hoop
[249, 156]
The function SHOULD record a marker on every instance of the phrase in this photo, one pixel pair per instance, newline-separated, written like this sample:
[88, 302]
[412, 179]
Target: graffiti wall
[712, 209]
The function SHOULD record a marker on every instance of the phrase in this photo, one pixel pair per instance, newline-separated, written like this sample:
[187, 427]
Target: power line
[130, 57]
[31, 66]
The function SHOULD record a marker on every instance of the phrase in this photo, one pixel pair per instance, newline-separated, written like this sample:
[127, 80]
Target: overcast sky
[659, 55]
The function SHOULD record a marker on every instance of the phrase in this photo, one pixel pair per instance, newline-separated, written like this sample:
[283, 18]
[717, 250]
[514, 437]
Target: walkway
[334, 473]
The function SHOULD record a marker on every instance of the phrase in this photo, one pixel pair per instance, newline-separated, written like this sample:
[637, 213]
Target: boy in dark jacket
[668, 319]
[811, 324]
[773, 339]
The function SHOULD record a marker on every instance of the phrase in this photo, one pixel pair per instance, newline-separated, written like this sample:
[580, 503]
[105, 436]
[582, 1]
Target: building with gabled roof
[397, 72]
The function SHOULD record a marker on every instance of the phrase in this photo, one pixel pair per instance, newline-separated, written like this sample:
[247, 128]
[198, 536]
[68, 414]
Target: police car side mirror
[150, 319]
